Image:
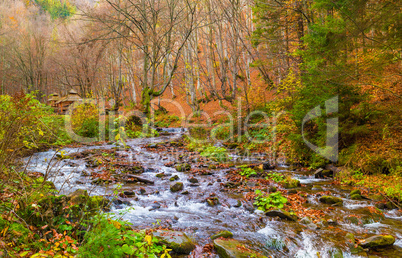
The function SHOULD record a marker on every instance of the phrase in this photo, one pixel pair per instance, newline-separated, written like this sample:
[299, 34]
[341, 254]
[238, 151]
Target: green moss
[224, 234]
[331, 200]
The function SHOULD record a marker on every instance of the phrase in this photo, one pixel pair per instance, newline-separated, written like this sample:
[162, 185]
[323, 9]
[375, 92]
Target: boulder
[178, 241]
[224, 234]
[231, 248]
[176, 187]
[282, 214]
[331, 200]
[377, 241]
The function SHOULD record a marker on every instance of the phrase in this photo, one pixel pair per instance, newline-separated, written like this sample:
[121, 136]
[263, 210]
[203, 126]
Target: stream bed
[155, 205]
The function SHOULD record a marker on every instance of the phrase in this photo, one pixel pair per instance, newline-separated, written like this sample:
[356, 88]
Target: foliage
[247, 171]
[21, 125]
[276, 177]
[85, 120]
[112, 237]
[57, 9]
[266, 202]
[214, 153]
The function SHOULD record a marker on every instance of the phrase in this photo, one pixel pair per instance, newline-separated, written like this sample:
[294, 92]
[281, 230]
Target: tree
[158, 30]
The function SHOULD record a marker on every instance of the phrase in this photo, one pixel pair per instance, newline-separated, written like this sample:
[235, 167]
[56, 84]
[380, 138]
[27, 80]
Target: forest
[200, 128]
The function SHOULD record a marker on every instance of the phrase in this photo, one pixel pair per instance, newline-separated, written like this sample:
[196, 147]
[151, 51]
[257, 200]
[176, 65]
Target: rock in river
[281, 214]
[229, 248]
[331, 200]
[178, 241]
[183, 167]
[224, 234]
[176, 187]
[378, 241]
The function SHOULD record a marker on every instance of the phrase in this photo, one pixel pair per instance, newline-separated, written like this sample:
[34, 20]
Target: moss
[176, 187]
[378, 241]
[291, 183]
[227, 248]
[331, 200]
[225, 234]
[357, 191]
[19, 233]
[356, 197]
[183, 167]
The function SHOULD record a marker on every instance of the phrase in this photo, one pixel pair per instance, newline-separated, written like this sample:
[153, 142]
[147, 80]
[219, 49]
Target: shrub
[21, 126]
[85, 120]
[111, 237]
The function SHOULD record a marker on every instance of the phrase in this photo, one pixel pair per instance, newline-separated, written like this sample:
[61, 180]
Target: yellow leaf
[148, 238]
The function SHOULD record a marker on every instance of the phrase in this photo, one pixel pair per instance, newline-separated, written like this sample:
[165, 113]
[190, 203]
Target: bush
[85, 120]
[21, 125]
[111, 237]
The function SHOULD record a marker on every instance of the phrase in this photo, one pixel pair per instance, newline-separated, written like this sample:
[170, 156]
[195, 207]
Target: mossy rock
[176, 187]
[212, 201]
[224, 234]
[356, 197]
[282, 214]
[178, 241]
[183, 167]
[378, 241]
[231, 248]
[331, 200]
[292, 183]
[356, 191]
[174, 178]
[99, 202]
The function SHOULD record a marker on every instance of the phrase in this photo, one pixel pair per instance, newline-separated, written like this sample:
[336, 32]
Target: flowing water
[157, 205]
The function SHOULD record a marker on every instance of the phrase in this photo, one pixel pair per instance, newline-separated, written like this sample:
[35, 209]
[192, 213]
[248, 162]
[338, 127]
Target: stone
[173, 178]
[183, 167]
[143, 191]
[317, 188]
[176, 187]
[231, 184]
[229, 248]
[331, 200]
[129, 193]
[282, 214]
[357, 191]
[292, 191]
[178, 241]
[224, 234]
[322, 173]
[291, 183]
[193, 180]
[377, 241]
[356, 197]
[267, 166]
[305, 221]
[212, 201]
[160, 175]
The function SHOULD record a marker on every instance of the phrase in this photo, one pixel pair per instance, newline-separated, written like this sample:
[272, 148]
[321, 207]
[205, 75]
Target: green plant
[112, 237]
[247, 171]
[215, 153]
[266, 202]
[276, 177]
